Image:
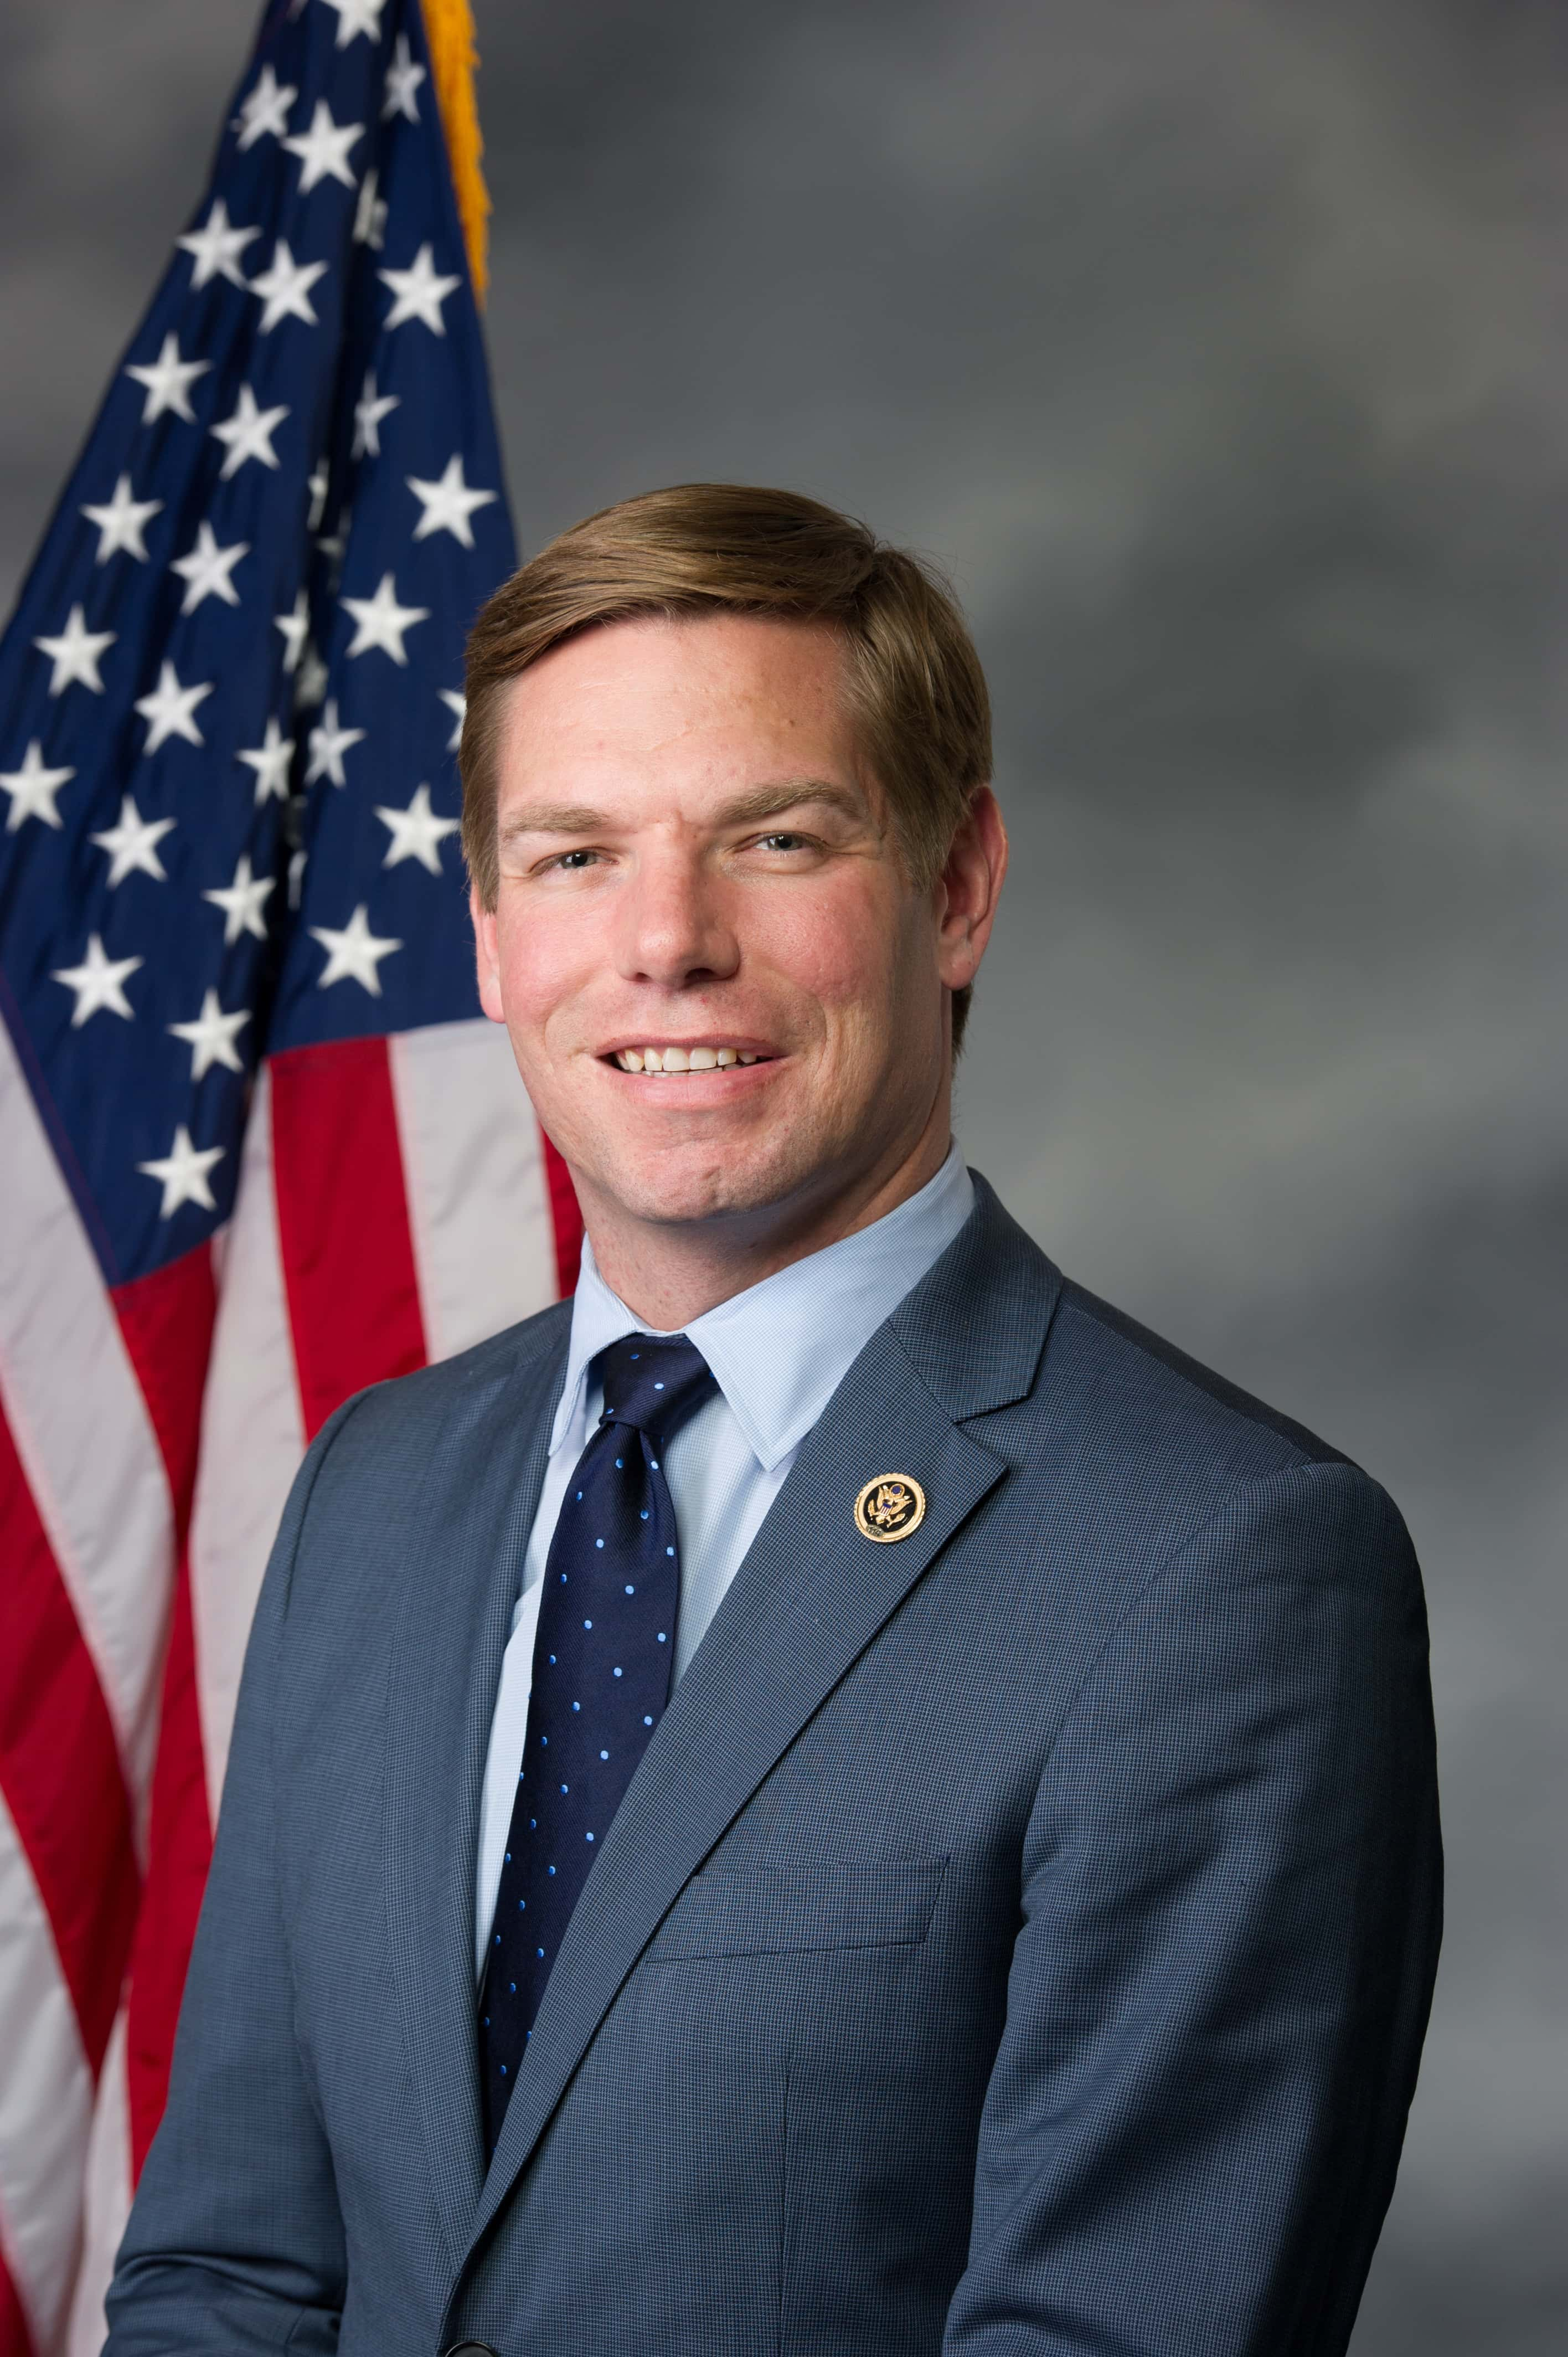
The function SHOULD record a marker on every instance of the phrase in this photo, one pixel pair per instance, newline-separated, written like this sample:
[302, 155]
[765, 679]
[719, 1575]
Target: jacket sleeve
[1230, 1916]
[236, 2241]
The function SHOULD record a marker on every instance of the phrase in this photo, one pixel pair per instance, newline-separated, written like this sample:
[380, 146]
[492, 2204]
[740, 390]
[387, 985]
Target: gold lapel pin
[890, 1506]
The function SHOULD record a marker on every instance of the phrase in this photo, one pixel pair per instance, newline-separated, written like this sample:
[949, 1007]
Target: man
[832, 1795]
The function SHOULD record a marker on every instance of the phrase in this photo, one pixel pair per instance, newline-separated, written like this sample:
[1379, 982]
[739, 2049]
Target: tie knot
[653, 1382]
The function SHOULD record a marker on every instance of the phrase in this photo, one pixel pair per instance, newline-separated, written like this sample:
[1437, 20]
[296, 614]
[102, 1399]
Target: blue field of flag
[230, 696]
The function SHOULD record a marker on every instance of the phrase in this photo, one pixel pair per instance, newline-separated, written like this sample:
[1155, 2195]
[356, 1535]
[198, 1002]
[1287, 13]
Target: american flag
[257, 1147]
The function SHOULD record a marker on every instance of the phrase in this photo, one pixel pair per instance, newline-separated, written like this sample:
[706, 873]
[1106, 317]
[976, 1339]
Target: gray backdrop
[1219, 348]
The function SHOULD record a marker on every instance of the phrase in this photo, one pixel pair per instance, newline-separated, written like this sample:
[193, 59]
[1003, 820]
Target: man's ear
[487, 956]
[968, 889]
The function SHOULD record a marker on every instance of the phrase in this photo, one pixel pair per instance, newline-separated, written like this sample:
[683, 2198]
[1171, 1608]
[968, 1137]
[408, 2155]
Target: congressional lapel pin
[890, 1506]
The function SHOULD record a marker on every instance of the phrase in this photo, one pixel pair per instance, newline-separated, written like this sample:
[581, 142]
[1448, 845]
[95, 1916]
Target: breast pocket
[794, 1911]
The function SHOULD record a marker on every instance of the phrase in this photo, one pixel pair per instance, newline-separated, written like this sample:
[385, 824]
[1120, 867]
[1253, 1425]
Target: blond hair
[916, 687]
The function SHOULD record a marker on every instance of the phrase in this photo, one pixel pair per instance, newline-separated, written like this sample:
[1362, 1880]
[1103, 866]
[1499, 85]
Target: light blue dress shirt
[779, 1352]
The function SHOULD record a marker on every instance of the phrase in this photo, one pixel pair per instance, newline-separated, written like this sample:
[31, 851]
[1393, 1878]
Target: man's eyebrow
[553, 818]
[789, 793]
[747, 810]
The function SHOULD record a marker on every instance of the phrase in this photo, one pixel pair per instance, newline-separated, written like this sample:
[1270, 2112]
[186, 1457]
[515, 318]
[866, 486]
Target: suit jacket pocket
[795, 1909]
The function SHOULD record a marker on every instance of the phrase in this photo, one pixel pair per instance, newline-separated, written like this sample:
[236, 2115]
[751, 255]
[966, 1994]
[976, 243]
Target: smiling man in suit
[832, 1795]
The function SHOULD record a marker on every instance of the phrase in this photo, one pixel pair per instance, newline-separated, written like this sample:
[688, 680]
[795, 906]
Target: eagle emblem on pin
[890, 1506]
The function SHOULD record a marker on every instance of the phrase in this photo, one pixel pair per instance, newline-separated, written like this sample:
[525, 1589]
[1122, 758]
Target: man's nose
[674, 928]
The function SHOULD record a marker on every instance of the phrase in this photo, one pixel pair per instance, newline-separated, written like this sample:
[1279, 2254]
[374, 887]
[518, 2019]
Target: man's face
[698, 875]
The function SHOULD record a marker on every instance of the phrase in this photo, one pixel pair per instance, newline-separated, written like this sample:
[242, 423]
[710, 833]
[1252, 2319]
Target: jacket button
[470, 2349]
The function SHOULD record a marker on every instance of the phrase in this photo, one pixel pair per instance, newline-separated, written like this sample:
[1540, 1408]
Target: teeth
[682, 1059]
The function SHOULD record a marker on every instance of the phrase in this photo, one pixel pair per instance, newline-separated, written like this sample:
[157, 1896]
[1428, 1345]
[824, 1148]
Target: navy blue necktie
[601, 1656]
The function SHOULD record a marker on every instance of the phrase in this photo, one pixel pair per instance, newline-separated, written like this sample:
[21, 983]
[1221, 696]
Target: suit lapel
[810, 1596]
[461, 1588]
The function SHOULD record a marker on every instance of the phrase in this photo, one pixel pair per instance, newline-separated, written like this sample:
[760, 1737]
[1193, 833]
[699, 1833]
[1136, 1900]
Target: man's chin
[692, 1188]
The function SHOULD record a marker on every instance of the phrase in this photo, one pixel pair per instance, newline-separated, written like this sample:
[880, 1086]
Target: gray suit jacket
[1017, 1939]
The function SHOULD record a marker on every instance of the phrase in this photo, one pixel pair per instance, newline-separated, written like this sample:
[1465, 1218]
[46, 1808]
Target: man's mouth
[670, 1058]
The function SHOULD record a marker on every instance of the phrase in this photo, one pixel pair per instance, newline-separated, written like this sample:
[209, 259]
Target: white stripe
[46, 2101]
[108, 2202]
[253, 1437]
[81, 1426]
[478, 1205]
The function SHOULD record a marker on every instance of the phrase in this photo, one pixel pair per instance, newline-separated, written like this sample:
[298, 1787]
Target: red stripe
[180, 1852]
[348, 1254]
[60, 1766]
[14, 2339]
[166, 1321]
[567, 1218]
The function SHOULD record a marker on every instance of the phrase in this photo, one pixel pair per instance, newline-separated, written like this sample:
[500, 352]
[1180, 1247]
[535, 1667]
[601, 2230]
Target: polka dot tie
[602, 1657]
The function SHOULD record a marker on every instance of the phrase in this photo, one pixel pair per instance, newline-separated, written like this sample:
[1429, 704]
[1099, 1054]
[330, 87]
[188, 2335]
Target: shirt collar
[780, 1350]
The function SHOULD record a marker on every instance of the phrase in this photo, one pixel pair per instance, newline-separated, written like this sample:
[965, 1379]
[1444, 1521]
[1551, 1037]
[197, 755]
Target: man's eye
[572, 860]
[782, 841]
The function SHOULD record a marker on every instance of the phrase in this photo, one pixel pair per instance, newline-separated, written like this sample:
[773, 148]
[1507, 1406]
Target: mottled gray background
[1221, 350]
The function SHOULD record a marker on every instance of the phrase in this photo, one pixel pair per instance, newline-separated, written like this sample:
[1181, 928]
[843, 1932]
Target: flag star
[381, 621]
[32, 789]
[311, 685]
[329, 743]
[264, 111]
[332, 545]
[353, 953]
[169, 710]
[284, 289]
[217, 247]
[210, 1037]
[120, 523]
[369, 214]
[456, 704]
[133, 844]
[75, 653]
[417, 833]
[206, 571]
[323, 150]
[449, 504]
[270, 760]
[242, 902]
[182, 1172]
[168, 380]
[368, 412]
[294, 626]
[419, 292]
[248, 434]
[99, 983]
[356, 16]
[403, 77]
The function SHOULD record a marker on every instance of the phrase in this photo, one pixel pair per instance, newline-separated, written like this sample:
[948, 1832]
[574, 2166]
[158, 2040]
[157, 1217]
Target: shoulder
[1006, 1341]
[399, 1419]
[404, 1464]
[1240, 1584]
[1156, 1390]
[1123, 1448]
[1198, 1464]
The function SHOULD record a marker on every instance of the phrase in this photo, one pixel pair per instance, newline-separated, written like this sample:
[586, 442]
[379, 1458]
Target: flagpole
[453, 60]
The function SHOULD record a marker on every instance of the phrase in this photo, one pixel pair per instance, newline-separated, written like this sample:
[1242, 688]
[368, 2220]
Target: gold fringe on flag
[454, 59]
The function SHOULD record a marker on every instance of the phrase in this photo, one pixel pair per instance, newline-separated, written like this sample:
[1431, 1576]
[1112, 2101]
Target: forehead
[723, 696]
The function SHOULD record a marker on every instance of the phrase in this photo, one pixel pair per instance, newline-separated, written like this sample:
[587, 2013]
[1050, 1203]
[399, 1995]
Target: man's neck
[669, 1275]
